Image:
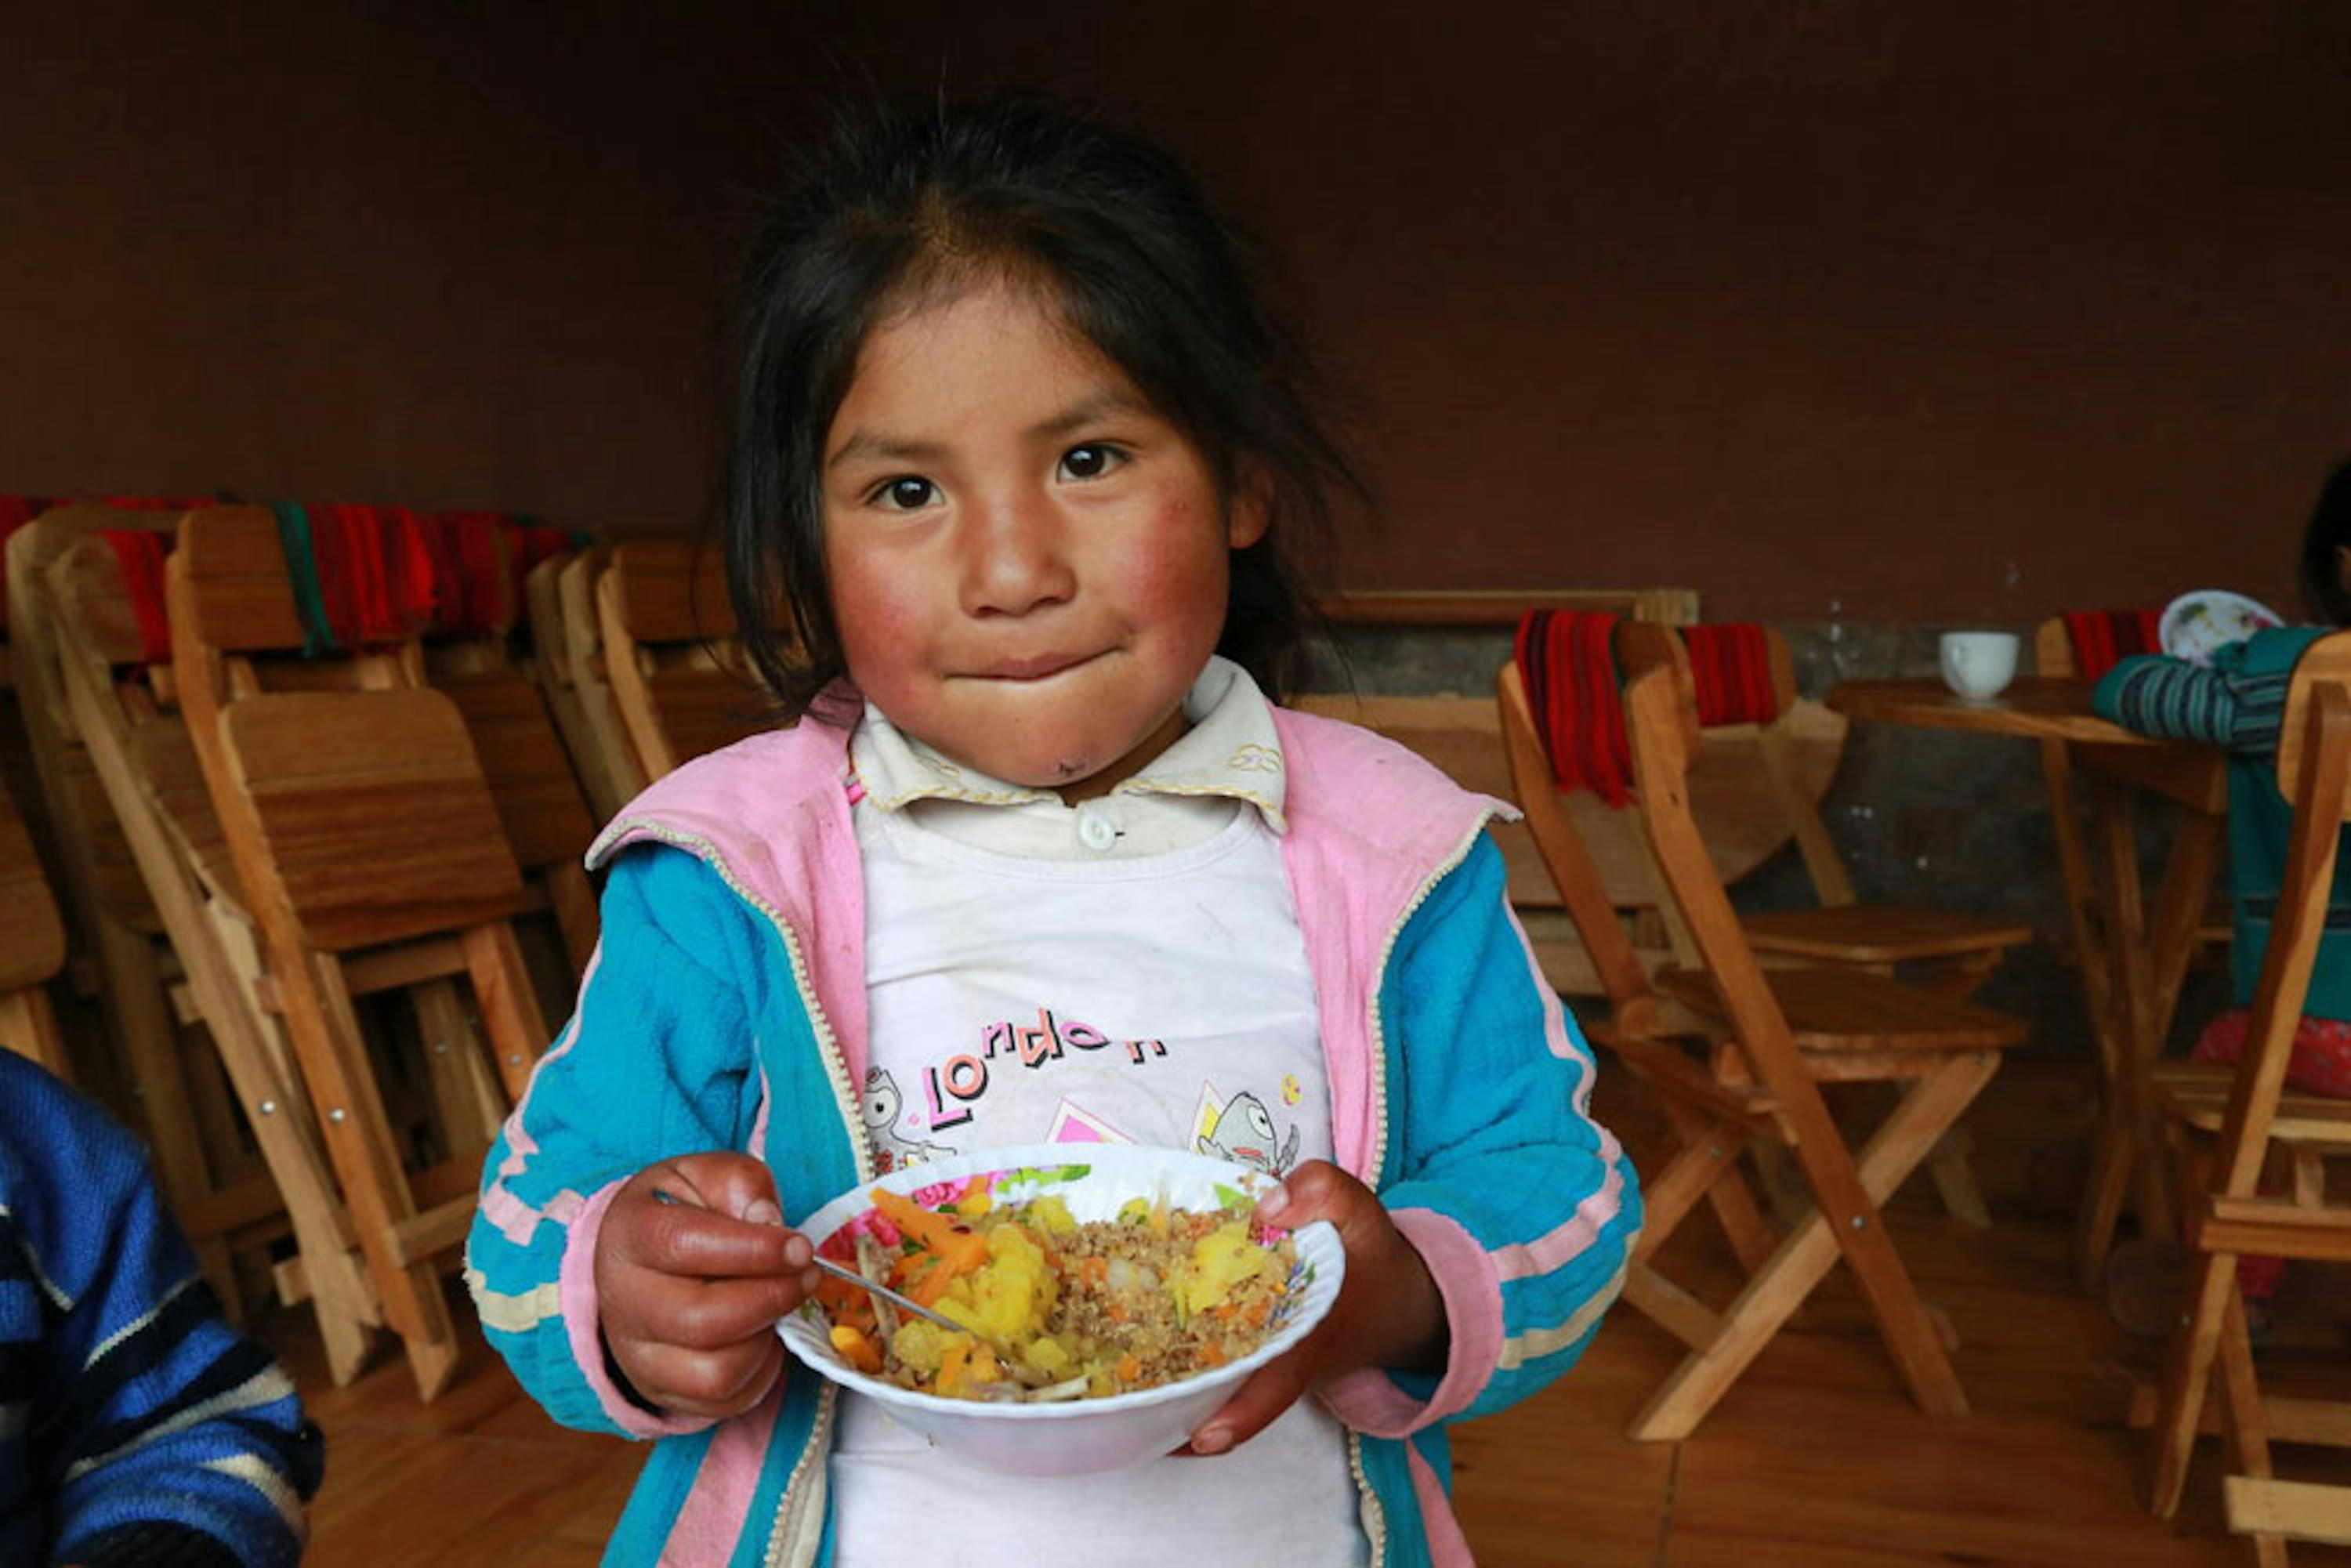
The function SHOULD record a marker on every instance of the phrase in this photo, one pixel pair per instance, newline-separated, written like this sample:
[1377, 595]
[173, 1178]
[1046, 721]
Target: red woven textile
[1569, 666]
[140, 555]
[1731, 666]
[1567, 660]
[2104, 638]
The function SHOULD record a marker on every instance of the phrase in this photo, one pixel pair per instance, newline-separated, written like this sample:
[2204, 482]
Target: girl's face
[1028, 562]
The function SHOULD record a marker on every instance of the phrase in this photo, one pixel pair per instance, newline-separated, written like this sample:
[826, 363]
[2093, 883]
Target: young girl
[2239, 704]
[1014, 454]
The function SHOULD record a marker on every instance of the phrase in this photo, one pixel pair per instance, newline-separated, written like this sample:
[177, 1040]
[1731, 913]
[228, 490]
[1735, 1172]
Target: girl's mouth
[1035, 667]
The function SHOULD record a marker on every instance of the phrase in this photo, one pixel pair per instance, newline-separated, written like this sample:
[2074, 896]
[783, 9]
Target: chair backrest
[2314, 775]
[32, 937]
[89, 604]
[1760, 789]
[2325, 663]
[676, 669]
[99, 876]
[2060, 643]
[364, 813]
[1560, 843]
[1661, 714]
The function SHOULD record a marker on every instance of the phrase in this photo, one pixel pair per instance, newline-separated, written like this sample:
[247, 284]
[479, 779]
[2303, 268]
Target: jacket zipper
[836, 1071]
[1374, 1515]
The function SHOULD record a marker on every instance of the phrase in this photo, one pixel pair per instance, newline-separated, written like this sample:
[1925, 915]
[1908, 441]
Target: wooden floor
[1814, 1459]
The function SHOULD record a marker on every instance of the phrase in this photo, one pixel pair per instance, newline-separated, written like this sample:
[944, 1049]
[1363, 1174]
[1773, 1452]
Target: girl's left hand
[1388, 1313]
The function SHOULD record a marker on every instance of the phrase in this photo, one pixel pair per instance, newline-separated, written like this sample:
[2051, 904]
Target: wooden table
[2132, 965]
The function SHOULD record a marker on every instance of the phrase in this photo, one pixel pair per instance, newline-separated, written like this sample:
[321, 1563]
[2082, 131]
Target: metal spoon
[883, 1293]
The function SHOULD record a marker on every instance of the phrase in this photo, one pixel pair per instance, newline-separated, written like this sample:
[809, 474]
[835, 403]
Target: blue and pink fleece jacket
[726, 1010]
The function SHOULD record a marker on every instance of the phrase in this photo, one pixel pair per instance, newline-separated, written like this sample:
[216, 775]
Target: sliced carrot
[860, 1352]
[1129, 1368]
[958, 1245]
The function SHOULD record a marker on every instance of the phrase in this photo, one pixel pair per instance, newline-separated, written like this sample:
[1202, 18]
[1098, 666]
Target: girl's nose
[1014, 559]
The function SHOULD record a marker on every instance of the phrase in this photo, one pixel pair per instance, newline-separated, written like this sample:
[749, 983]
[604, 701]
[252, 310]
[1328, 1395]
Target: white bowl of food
[2195, 626]
[1130, 1289]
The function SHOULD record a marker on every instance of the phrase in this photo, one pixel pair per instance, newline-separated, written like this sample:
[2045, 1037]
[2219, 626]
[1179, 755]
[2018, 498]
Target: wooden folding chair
[551, 666]
[529, 769]
[1962, 947]
[370, 854]
[1779, 1033]
[122, 710]
[2246, 1122]
[178, 1098]
[612, 754]
[677, 669]
[32, 949]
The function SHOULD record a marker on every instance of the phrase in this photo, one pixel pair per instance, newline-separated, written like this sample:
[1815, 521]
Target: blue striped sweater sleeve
[136, 1426]
[2151, 693]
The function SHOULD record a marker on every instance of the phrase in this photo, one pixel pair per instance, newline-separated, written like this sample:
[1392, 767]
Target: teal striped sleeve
[2154, 694]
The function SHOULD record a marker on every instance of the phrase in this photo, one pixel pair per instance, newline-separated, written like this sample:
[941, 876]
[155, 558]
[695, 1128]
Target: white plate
[1082, 1436]
[2197, 625]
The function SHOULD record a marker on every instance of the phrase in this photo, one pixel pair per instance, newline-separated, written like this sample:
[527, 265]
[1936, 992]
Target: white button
[1096, 830]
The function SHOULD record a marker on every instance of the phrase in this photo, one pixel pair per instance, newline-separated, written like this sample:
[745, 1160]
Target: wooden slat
[2274, 1226]
[1843, 1010]
[704, 710]
[239, 594]
[671, 590]
[436, 1230]
[1876, 933]
[2304, 1510]
[33, 936]
[2198, 1094]
[377, 822]
[523, 760]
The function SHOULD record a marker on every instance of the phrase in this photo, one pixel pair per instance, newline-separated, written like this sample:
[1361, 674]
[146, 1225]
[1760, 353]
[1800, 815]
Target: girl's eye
[1090, 461]
[907, 493]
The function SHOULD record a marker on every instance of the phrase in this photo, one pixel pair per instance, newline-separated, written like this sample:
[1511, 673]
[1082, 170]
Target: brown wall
[1933, 313]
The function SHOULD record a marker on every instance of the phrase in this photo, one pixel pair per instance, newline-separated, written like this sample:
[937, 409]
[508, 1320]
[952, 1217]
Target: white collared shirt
[1130, 969]
[1231, 759]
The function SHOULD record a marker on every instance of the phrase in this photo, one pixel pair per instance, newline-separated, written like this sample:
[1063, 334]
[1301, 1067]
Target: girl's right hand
[689, 1291]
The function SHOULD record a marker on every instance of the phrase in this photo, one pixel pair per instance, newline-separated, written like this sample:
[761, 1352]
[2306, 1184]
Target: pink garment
[2321, 1064]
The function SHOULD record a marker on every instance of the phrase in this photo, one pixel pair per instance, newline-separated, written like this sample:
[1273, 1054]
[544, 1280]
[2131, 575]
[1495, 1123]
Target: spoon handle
[871, 1287]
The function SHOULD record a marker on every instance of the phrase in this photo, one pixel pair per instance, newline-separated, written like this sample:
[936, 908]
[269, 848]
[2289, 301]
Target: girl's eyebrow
[871, 445]
[1086, 410]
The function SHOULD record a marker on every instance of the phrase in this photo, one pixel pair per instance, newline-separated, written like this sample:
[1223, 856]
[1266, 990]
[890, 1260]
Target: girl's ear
[2343, 566]
[1251, 512]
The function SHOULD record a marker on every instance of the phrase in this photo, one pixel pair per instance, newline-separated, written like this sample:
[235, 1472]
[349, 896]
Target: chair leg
[28, 1026]
[1752, 1239]
[1955, 1179]
[2186, 1367]
[1812, 1250]
[574, 902]
[359, 1139]
[2244, 1420]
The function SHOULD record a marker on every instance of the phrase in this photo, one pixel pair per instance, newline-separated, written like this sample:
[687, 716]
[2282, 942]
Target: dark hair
[2324, 596]
[902, 207]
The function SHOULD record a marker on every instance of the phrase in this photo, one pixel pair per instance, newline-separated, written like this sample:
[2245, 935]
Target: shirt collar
[1231, 749]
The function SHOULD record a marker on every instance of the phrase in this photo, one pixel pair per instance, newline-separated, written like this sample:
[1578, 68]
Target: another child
[1016, 453]
[137, 1428]
[2239, 704]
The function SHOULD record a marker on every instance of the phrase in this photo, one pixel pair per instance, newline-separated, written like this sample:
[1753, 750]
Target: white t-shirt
[1133, 972]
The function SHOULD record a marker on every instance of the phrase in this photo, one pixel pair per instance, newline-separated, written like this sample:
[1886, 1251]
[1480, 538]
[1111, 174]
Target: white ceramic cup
[1978, 666]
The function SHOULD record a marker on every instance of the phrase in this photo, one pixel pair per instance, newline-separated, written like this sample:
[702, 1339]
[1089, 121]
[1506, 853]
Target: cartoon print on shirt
[1243, 1132]
[880, 1108]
